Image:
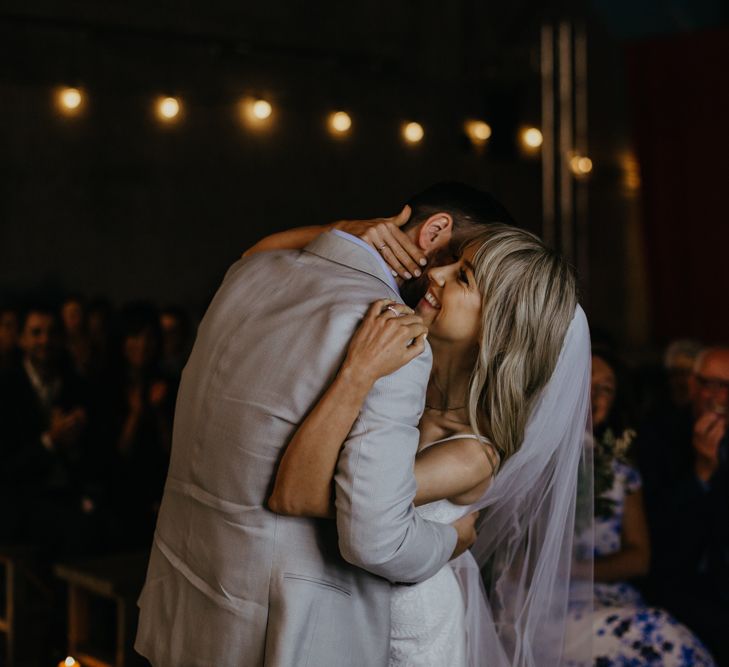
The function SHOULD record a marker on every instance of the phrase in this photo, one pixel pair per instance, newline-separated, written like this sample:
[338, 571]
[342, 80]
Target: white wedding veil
[530, 605]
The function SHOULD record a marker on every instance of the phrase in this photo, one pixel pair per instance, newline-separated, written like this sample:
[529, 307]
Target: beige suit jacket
[231, 583]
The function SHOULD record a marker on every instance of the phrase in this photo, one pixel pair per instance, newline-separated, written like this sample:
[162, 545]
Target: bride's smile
[451, 308]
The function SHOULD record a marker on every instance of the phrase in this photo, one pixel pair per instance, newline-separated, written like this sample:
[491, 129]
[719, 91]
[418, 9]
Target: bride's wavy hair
[529, 296]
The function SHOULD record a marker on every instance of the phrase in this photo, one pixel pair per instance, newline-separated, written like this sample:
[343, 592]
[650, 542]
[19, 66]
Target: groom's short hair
[471, 208]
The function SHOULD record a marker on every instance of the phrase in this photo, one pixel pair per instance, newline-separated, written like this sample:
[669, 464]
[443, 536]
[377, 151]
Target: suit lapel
[337, 249]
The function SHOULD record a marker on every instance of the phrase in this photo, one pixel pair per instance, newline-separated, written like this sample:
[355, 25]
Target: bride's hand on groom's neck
[400, 252]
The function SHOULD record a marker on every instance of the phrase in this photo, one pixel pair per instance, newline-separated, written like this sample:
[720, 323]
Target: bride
[502, 432]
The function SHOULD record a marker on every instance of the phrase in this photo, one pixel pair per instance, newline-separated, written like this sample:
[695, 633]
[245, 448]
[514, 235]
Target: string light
[168, 108]
[340, 122]
[257, 110]
[413, 132]
[69, 100]
[478, 131]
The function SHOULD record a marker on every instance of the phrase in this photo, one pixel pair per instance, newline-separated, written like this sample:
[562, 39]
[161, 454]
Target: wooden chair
[118, 579]
[25, 596]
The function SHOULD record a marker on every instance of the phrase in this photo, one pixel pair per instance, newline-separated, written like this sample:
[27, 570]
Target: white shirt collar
[46, 391]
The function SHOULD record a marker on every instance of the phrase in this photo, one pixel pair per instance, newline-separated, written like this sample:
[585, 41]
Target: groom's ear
[435, 233]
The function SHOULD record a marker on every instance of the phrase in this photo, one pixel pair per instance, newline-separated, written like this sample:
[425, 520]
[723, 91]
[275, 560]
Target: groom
[229, 582]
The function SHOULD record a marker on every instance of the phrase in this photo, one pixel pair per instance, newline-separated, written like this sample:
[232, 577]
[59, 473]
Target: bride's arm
[293, 239]
[404, 257]
[303, 485]
[459, 470]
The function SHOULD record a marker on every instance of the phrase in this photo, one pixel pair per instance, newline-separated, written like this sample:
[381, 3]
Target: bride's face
[451, 308]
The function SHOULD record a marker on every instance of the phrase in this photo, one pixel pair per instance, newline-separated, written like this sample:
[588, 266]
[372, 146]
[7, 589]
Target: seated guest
[678, 363]
[103, 343]
[141, 420]
[9, 332]
[46, 471]
[73, 317]
[175, 327]
[684, 463]
[627, 631]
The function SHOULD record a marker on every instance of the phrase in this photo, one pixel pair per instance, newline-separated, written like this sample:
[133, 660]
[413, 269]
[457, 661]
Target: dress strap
[459, 436]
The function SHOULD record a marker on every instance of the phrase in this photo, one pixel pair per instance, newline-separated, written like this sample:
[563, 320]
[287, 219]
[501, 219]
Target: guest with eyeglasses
[684, 460]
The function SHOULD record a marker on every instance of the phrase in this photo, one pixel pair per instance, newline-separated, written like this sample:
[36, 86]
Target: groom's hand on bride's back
[384, 235]
[466, 529]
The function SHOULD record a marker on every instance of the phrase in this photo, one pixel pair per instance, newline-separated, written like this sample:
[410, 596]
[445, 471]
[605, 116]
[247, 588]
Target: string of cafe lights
[258, 111]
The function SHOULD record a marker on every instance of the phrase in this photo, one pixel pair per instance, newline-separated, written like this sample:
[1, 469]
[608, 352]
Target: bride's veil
[534, 546]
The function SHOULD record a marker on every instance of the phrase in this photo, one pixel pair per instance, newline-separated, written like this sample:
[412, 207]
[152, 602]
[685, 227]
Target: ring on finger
[394, 310]
[382, 247]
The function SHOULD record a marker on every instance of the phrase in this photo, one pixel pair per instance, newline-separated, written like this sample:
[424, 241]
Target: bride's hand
[385, 236]
[390, 336]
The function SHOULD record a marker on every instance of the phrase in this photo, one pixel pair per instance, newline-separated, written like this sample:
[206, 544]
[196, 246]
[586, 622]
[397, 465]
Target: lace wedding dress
[428, 619]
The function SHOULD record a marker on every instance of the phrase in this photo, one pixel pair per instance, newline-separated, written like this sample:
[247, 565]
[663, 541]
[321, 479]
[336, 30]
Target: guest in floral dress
[627, 631]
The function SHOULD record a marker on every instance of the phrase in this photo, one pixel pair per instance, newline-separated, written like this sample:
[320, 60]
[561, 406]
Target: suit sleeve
[378, 528]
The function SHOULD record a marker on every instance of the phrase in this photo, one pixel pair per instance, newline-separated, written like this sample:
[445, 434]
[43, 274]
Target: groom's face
[414, 290]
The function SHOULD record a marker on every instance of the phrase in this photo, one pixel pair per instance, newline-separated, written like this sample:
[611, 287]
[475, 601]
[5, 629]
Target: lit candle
[69, 662]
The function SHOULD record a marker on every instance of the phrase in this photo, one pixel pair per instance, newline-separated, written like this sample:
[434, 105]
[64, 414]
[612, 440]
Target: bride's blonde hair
[529, 296]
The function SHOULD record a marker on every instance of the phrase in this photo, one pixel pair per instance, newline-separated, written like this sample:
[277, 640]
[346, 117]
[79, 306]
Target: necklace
[446, 409]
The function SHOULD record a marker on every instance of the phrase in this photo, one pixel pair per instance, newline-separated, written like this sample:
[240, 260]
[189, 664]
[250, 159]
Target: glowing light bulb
[584, 165]
[168, 108]
[340, 122]
[532, 138]
[262, 109]
[478, 131]
[413, 132]
[71, 98]
[580, 165]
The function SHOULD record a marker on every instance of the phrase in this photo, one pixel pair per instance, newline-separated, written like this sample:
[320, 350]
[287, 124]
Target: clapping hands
[66, 427]
[708, 432]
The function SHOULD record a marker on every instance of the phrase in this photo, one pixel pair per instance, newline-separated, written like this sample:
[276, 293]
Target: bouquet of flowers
[609, 448]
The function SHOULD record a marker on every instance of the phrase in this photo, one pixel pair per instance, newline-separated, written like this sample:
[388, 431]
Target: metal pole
[566, 141]
[581, 142]
[549, 232]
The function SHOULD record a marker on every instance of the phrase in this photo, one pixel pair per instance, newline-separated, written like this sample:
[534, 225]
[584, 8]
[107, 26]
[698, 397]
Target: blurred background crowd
[87, 400]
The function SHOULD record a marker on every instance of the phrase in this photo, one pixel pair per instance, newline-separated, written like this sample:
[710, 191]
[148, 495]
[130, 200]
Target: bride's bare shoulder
[479, 460]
